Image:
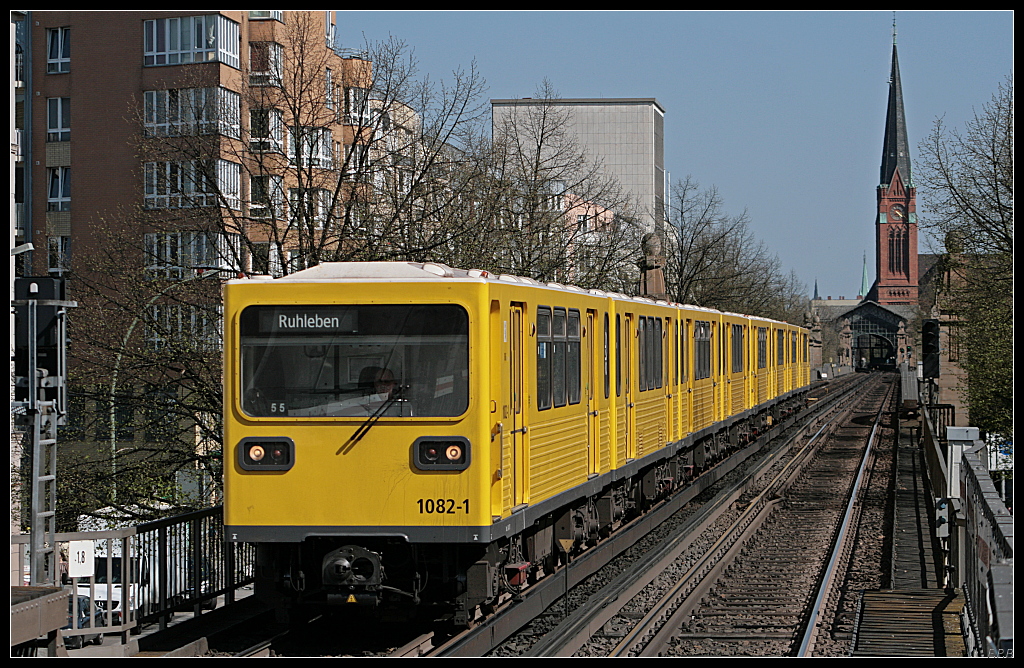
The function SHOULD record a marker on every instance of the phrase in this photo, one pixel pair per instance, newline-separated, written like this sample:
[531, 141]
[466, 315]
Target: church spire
[896, 216]
[864, 285]
[895, 146]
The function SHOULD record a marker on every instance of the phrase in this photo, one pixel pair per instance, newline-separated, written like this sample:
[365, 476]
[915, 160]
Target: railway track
[633, 613]
[562, 625]
[552, 617]
[773, 591]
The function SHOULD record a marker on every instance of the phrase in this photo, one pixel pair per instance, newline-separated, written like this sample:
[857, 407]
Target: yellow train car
[406, 433]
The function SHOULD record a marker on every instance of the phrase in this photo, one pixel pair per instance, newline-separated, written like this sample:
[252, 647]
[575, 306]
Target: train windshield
[407, 360]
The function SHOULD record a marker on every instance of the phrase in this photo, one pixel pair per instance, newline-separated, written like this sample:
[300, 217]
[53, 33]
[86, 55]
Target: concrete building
[626, 135]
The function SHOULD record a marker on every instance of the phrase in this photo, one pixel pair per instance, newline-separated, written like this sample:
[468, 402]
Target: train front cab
[354, 485]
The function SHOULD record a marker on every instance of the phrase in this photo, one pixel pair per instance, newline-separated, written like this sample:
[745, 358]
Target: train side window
[762, 347]
[682, 351]
[721, 352]
[642, 351]
[702, 349]
[572, 356]
[737, 348]
[543, 357]
[607, 364]
[658, 346]
[780, 347]
[618, 355]
[675, 367]
[558, 357]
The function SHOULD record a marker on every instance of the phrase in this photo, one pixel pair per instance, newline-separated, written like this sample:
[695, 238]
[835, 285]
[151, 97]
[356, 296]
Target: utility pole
[40, 403]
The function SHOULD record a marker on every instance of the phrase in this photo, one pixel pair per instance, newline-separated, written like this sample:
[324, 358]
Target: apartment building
[146, 121]
[157, 148]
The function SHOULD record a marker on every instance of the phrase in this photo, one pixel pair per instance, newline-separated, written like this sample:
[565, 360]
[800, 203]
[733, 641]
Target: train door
[518, 432]
[593, 415]
[627, 370]
[671, 375]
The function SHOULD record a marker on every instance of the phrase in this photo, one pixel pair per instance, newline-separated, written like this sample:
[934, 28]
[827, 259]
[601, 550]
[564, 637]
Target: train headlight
[441, 453]
[266, 453]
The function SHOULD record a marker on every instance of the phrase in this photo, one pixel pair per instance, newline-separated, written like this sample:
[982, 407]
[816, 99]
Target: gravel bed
[522, 641]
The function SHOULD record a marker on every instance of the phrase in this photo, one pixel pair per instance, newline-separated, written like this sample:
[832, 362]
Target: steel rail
[840, 543]
[698, 580]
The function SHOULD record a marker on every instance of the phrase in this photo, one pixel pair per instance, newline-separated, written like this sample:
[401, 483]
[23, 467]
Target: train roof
[434, 271]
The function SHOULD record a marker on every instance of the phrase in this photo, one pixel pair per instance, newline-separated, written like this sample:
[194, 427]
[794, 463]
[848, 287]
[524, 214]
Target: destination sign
[300, 320]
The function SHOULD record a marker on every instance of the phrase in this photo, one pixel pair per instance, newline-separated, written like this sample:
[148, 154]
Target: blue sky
[782, 111]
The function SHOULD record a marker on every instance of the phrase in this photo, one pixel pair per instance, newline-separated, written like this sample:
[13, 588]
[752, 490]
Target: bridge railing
[175, 564]
[974, 526]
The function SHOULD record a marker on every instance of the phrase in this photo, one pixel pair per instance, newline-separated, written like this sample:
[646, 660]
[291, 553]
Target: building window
[178, 255]
[186, 111]
[58, 119]
[329, 29]
[266, 130]
[265, 196]
[357, 108]
[266, 14]
[309, 207]
[160, 415]
[191, 39]
[266, 258]
[229, 183]
[192, 183]
[184, 326]
[554, 199]
[58, 196]
[59, 254]
[310, 147]
[58, 50]
[357, 165]
[266, 60]
[329, 88]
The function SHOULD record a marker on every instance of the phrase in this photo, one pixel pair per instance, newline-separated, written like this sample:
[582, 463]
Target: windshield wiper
[365, 427]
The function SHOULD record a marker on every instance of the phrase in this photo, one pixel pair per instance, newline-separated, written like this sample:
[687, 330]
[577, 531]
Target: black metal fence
[176, 564]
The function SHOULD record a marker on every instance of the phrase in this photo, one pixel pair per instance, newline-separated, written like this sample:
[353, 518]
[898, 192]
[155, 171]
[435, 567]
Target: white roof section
[435, 271]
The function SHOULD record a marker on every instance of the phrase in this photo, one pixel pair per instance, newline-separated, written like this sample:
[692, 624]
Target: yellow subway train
[403, 435]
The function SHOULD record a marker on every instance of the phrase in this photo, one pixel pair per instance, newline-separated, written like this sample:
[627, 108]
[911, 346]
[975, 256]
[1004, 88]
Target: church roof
[895, 146]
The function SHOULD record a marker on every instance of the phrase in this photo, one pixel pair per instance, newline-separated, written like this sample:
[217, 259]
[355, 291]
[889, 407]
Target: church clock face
[898, 212]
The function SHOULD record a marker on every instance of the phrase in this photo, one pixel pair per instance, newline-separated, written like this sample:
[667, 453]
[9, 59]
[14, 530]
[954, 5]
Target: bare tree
[308, 157]
[555, 214]
[717, 261]
[966, 177]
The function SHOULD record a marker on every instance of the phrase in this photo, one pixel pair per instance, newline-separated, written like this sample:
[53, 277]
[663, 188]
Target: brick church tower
[896, 216]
